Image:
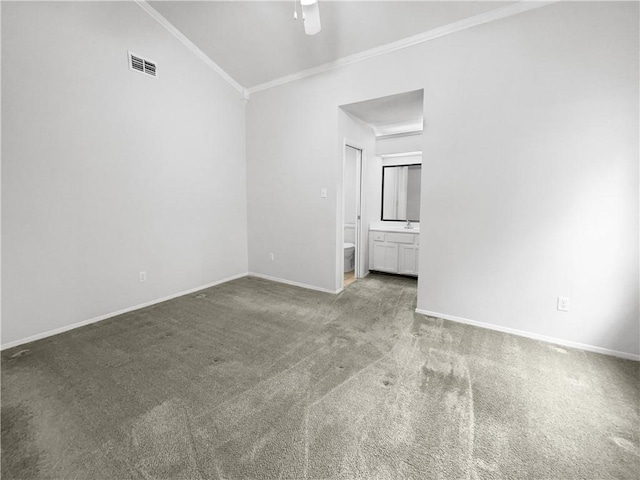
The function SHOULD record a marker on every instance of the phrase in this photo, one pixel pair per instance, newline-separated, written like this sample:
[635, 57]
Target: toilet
[349, 257]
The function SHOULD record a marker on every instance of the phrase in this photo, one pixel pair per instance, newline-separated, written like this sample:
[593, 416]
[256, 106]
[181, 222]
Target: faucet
[408, 225]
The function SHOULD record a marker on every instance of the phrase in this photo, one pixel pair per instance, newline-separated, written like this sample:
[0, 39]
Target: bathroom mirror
[401, 192]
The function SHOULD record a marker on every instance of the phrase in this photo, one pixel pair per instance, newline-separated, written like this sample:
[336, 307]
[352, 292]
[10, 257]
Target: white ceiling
[401, 113]
[259, 41]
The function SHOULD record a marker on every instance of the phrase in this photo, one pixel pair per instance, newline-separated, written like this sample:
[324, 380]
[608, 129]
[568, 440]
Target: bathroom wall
[530, 171]
[107, 172]
[350, 233]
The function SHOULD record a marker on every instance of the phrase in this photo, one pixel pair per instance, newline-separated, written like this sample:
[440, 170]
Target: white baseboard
[534, 336]
[295, 284]
[114, 314]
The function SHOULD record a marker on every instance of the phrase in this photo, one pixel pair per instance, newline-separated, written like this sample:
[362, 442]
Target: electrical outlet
[272, 257]
[563, 304]
[142, 276]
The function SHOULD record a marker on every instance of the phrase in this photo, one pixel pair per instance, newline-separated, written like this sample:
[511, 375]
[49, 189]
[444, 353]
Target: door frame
[360, 208]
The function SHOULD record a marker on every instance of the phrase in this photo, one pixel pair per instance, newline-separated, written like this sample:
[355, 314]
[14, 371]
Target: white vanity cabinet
[385, 257]
[408, 258]
[394, 252]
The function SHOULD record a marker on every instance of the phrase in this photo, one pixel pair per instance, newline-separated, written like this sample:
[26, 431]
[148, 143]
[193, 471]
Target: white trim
[73, 326]
[153, 13]
[399, 155]
[404, 134]
[409, 127]
[497, 14]
[295, 284]
[533, 336]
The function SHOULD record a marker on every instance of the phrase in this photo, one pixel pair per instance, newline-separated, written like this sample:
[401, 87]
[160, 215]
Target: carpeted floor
[253, 379]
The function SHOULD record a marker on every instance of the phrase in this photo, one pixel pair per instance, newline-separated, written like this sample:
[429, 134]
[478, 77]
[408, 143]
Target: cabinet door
[409, 259]
[385, 257]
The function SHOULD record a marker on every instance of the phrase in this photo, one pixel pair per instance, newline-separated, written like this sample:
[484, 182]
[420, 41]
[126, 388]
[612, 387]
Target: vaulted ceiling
[259, 41]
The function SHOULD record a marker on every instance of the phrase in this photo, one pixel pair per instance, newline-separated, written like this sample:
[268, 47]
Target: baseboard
[533, 336]
[66, 328]
[295, 284]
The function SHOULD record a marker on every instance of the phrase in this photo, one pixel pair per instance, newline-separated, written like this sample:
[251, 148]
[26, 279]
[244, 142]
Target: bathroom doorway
[352, 212]
[378, 135]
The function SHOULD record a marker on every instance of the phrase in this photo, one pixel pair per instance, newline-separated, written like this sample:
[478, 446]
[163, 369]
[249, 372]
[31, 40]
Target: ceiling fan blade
[311, 15]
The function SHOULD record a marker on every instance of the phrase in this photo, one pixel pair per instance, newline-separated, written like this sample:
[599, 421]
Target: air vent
[142, 65]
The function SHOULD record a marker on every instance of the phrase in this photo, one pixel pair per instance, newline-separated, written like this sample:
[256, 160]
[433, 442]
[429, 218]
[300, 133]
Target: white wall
[531, 179]
[530, 171]
[106, 172]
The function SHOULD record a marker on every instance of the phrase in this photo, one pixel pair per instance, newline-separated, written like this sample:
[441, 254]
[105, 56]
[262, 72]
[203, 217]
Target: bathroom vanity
[394, 249]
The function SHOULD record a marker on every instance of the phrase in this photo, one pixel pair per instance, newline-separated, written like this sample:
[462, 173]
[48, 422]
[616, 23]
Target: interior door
[359, 249]
[356, 154]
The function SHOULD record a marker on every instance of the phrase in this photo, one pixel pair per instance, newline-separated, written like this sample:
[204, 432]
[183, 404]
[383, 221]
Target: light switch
[323, 192]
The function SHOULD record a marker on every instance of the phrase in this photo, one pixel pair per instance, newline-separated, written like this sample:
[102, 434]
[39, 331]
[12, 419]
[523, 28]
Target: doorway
[352, 212]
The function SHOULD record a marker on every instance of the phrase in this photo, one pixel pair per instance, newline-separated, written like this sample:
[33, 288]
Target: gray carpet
[253, 379]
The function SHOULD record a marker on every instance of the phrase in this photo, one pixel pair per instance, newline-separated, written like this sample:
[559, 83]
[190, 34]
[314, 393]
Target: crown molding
[497, 14]
[153, 13]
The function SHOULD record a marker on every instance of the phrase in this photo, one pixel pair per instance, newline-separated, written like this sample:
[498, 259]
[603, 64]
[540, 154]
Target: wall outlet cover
[563, 304]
